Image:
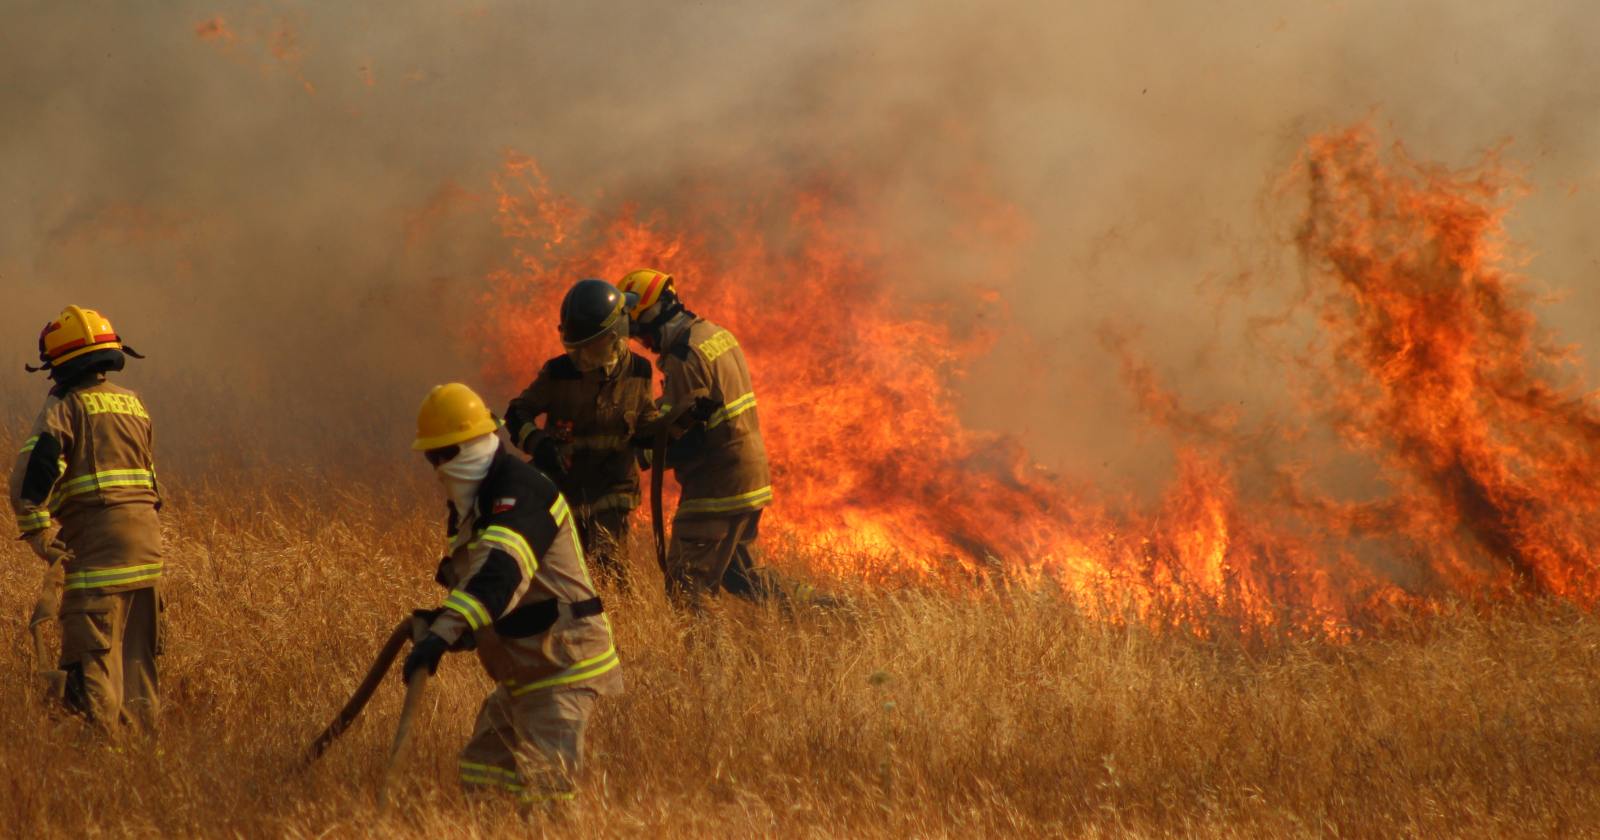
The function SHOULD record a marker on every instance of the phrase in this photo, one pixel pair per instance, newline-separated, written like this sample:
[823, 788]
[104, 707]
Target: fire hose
[45, 609]
[402, 731]
[409, 629]
[662, 437]
[358, 701]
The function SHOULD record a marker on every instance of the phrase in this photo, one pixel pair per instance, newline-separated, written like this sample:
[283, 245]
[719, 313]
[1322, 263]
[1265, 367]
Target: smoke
[287, 206]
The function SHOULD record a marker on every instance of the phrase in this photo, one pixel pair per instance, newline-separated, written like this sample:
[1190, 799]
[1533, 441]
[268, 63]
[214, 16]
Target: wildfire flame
[1435, 374]
[1442, 374]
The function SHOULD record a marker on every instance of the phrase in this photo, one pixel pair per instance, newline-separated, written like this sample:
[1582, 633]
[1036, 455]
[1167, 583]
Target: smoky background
[288, 206]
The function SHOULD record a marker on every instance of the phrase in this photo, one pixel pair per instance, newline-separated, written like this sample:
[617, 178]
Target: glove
[468, 640]
[424, 654]
[46, 546]
[703, 408]
[445, 575]
[547, 457]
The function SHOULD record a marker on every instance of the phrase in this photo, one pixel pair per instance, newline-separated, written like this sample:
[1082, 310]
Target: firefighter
[594, 398]
[717, 456]
[520, 595]
[85, 495]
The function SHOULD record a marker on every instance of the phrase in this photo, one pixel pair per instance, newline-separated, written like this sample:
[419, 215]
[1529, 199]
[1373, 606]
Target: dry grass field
[914, 714]
[1300, 296]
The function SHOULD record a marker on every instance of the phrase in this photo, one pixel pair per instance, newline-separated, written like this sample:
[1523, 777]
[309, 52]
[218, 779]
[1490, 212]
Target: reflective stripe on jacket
[88, 467]
[515, 569]
[727, 473]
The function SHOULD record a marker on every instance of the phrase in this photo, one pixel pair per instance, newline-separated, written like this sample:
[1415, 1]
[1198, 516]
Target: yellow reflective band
[36, 521]
[104, 479]
[731, 410]
[100, 578]
[613, 501]
[469, 607]
[109, 475]
[559, 510]
[522, 437]
[28, 445]
[465, 766]
[473, 773]
[587, 669]
[514, 545]
[545, 798]
[729, 504]
[577, 552]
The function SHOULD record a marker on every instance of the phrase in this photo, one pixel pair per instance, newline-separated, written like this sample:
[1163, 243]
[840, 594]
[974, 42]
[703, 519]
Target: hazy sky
[289, 201]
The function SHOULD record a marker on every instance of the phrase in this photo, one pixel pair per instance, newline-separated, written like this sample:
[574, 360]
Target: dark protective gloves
[445, 575]
[468, 640]
[703, 408]
[424, 654]
[547, 457]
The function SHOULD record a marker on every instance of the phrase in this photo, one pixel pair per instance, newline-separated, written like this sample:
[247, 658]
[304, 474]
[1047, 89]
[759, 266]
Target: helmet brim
[476, 430]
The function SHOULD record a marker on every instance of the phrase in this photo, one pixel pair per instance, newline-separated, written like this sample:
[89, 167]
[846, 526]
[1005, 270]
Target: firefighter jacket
[721, 465]
[519, 585]
[88, 467]
[590, 417]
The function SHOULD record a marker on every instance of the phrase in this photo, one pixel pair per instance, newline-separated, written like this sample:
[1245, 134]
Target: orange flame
[1435, 377]
[1442, 374]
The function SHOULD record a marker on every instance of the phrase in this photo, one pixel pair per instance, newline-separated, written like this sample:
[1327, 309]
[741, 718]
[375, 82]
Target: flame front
[1435, 377]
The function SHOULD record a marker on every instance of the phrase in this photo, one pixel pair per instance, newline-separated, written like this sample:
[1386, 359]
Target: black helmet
[591, 307]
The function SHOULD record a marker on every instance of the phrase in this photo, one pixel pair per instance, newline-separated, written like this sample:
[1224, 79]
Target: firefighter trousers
[530, 746]
[705, 555]
[108, 651]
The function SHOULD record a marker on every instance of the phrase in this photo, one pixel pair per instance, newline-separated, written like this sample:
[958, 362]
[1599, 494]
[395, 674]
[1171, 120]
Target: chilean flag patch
[503, 505]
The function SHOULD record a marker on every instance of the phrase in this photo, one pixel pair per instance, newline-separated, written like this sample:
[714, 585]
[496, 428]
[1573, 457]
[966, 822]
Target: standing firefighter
[594, 398]
[718, 456]
[521, 595]
[88, 468]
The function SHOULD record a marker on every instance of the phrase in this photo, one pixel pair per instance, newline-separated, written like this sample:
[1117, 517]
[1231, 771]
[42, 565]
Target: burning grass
[919, 713]
[1422, 359]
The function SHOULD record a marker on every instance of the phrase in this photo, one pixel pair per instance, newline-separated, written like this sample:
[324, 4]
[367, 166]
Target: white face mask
[462, 474]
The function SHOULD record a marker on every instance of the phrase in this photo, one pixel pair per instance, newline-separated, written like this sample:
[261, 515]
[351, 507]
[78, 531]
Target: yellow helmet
[74, 332]
[451, 414]
[643, 288]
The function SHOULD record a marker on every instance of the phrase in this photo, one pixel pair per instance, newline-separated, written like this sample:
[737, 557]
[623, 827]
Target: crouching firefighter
[520, 595]
[594, 398]
[717, 455]
[85, 496]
